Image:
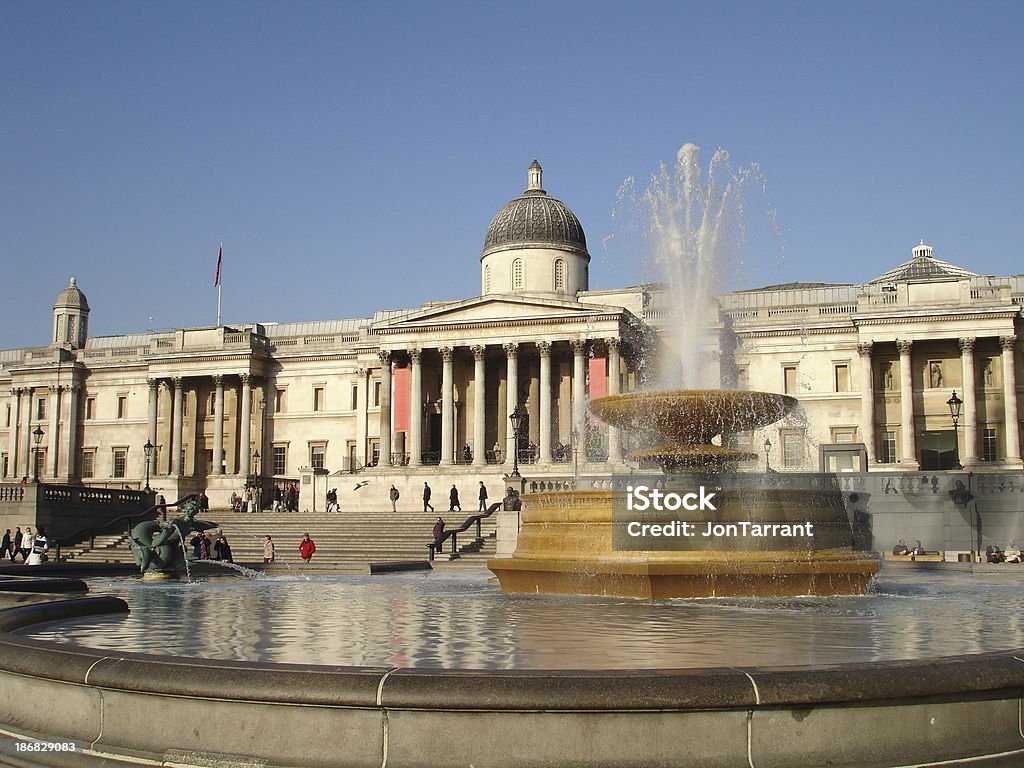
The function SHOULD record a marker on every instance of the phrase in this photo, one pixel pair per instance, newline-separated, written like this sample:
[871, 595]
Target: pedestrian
[467, 454]
[204, 502]
[394, 495]
[497, 452]
[483, 497]
[244, 500]
[161, 505]
[222, 550]
[26, 543]
[277, 498]
[40, 546]
[295, 497]
[426, 498]
[438, 528]
[18, 538]
[453, 500]
[268, 550]
[306, 548]
[6, 546]
[250, 499]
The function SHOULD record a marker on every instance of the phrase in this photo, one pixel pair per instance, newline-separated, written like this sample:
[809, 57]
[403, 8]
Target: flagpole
[219, 282]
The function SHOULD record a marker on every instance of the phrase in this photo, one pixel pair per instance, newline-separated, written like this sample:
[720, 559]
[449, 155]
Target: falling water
[184, 552]
[694, 225]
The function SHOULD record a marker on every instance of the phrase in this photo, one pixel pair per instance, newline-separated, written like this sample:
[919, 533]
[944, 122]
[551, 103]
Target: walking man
[268, 549]
[453, 500]
[7, 547]
[426, 498]
[394, 494]
[483, 497]
[18, 538]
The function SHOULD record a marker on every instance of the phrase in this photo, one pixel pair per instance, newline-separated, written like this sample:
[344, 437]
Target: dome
[72, 297]
[535, 220]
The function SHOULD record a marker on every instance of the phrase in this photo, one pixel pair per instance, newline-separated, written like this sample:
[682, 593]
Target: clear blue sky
[350, 155]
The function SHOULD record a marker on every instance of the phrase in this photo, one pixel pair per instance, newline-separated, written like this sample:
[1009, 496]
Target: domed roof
[71, 297]
[535, 220]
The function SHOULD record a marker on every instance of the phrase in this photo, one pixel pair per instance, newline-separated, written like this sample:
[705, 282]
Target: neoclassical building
[427, 392]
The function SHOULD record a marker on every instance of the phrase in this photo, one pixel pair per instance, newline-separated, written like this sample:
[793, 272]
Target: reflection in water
[434, 620]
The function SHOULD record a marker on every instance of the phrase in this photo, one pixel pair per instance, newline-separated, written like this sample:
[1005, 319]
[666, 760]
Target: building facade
[429, 391]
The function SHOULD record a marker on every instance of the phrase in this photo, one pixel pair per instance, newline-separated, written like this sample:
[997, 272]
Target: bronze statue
[158, 545]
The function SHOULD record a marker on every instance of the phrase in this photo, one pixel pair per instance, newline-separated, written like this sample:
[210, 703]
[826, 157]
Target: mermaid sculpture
[157, 544]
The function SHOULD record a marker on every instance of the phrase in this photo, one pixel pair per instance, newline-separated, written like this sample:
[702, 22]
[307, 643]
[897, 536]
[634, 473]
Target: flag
[220, 255]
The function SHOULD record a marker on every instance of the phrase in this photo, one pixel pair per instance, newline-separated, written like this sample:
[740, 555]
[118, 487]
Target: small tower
[71, 317]
[922, 251]
[533, 182]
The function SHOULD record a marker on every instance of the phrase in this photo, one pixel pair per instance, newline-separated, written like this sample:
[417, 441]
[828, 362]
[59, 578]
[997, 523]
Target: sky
[350, 155]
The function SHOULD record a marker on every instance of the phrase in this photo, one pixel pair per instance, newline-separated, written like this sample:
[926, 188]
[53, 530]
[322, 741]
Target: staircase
[349, 537]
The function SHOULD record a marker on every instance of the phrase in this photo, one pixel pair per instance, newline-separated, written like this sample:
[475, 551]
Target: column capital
[579, 346]
[904, 346]
[176, 381]
[415, 354]
[612, 343]
[246, 378]
[478, 350]
[864, 348]
[966, 344]
[544, 347]
[384, 355]
[511, 349]
[360, 371]
[218, 379]
[446, 353]
[153, 383]
[1008, 343]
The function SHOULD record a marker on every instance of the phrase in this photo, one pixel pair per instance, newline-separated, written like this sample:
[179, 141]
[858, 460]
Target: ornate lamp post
[259, 480]
[148, 450]
[37, 436]
[767, 450]
[516, 417]
[954, 404]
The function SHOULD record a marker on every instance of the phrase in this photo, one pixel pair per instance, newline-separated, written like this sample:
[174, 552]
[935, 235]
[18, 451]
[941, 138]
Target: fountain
[579, 542]
[158, 546]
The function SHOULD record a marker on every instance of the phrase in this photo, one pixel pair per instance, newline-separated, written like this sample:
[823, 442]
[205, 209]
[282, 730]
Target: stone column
[1009, 347]
[544, 347]
[479, 409]
[245, 427]
[25, 453]
[177, 426]
[867, 400]
[154, 393]
[218, 425]
[579, 393]
[614, 388]
[970, 414]
[54, 449]
[12, 438]
[512, 399]
[385, 406]
[361, 412]
[907, 404]
[416, 408]
[71, 433]
[447, 407]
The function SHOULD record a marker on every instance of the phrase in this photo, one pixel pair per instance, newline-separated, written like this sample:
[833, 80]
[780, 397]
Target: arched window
[517, 275]
[487, 278]
[559, 274]
[71, 329]
[60, 329]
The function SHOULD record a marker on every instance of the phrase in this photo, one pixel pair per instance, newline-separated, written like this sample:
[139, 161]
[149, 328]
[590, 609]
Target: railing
[436, 545]
[400, 459]
[132, 519]
[12, 493]
[430, 458]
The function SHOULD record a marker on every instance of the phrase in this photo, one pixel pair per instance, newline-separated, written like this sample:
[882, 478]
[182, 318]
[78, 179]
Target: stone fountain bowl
[692, 416]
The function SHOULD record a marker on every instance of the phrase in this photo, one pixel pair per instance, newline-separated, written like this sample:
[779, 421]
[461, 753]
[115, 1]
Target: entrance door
[938, 450]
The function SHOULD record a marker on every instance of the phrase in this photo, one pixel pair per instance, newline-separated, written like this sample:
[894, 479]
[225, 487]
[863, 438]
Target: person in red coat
[306, 548]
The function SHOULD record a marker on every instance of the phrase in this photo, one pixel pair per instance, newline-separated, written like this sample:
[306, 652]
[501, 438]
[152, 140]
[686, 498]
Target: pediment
[490, 309]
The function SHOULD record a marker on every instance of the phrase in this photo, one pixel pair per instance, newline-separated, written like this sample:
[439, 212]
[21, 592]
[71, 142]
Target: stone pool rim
[890, 713]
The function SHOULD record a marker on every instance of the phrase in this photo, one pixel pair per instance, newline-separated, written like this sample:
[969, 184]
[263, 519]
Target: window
[789, 379]
[8, 415]
[355, 397]
[89, 462]
[842, 377]
[376, 393]
[889, 447]
[40, 462]
[122, 407]
[280, 459]
[71, 329]
[90, 408]
[792, 449]
[517, 275]
[559, 274]
[212, 408]
[41, 409]
[374, 454]
[120, 461]
[318, 398]
[279, 400]
[6, 464]
[843, 434]
[317, 454]
[989, 446]
[487, 278]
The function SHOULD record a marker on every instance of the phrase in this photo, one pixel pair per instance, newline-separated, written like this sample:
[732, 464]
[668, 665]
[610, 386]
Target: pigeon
[360, 484]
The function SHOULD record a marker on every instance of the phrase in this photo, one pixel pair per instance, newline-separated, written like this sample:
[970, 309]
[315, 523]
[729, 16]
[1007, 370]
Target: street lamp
[516, 417]
[954, 404]
[767, 450]
[148, 450]
[37, 435]
[259, 480]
